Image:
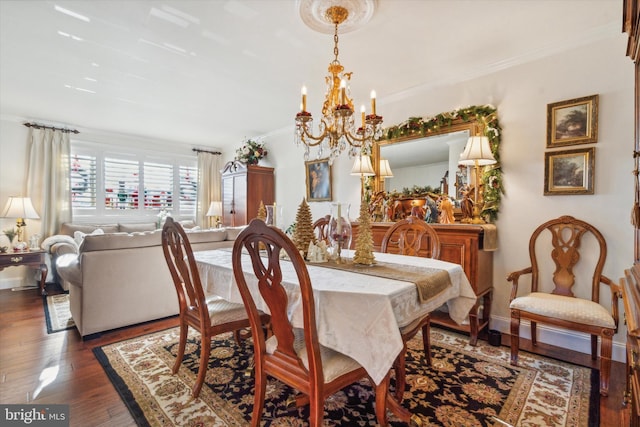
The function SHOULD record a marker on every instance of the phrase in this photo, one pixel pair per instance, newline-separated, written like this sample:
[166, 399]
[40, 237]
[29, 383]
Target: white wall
[521, 95]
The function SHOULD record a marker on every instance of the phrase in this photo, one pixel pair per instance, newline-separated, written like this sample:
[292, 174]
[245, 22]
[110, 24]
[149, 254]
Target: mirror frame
[478, 120]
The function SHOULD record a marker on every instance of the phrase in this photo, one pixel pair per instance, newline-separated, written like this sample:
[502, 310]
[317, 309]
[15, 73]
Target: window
[105, 183]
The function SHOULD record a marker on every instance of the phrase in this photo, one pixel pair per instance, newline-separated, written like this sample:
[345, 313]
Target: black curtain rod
[197, 150]
[37, 126]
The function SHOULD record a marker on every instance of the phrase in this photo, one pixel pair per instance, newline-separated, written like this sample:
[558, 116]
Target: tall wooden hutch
[243, 188]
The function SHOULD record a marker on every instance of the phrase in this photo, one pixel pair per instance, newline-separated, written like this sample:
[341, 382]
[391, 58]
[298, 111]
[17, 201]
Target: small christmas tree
[364, 241]
[304, 228]
[262, 212]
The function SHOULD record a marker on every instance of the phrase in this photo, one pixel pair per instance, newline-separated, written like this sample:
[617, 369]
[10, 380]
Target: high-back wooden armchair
[559, 306]
[321, 228]
[209, 315]
[412, 236]
[291, 355]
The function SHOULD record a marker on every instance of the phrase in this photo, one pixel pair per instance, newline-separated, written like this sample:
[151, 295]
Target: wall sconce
[20, 208]
[477, 153]
[215, 211]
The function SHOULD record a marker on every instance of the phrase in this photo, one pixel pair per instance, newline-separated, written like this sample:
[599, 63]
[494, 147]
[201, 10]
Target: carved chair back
[321, 228]
[182, 265]
[412, 236]
[566, 234]
[265, 245]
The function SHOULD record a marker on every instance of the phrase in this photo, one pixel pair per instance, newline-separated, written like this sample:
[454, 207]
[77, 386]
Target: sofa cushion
[232, 232]
[217, 235]
[120, 241]
[69, 229]
[78, 235]
[142, 226]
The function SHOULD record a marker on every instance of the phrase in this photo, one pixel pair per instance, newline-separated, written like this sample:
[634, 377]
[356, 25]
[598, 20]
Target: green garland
[485, 114]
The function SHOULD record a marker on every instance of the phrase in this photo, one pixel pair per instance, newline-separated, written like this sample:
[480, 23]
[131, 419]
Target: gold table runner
[429, 281]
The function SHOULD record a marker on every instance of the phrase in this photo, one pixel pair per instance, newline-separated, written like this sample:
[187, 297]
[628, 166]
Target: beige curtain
[48, 178]
[209, 179]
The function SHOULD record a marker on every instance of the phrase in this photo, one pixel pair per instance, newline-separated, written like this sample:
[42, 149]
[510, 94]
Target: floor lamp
[477, 153]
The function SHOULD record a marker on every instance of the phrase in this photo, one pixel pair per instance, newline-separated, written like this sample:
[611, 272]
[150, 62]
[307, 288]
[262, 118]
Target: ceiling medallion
[313, 12]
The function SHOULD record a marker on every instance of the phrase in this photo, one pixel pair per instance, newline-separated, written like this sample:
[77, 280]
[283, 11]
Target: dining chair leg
[515, 336]
[258, 400]
[400, 367]
[205, 352]
[605, 361]
[534, 333]
[182, 343]
[316, 410]
[426, 341]
[382, 391]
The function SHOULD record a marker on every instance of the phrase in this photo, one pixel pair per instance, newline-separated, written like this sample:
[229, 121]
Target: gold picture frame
[318, 182]
[572, 122]
[569, 171]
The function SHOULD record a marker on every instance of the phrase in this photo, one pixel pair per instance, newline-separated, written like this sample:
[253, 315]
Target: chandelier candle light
[337, 125]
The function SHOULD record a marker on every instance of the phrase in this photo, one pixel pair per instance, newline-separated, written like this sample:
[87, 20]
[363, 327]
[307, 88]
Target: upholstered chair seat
[560, 307]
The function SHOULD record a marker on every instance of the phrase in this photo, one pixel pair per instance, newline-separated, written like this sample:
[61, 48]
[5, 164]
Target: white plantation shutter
[188, 189]
[158, 186]
[83, 181]
[137, 184]
[121, 183]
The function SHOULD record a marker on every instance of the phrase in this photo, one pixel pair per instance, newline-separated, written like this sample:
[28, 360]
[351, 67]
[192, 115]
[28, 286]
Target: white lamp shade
[215, 209]
[477, 150]
[19, 207]
[385, 169]
[362, 166]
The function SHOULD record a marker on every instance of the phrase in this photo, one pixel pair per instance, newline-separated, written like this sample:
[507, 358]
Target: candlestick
[304, 98]
[343, 89]
[363, 118]
[373, 102]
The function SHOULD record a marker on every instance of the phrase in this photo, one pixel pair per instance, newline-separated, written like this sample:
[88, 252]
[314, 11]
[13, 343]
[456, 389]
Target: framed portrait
[569, 172]
[572, 122]
[318, 180]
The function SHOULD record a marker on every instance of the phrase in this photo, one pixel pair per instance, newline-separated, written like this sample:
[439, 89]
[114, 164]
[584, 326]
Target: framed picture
[318, 180]
[572, 122]
[569, 172]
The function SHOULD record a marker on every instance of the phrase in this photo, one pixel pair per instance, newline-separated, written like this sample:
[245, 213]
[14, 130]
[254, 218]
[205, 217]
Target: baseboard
[558, 337]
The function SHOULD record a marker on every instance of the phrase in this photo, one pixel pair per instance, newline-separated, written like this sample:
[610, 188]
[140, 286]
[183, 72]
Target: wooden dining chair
[415, 237]
[551, 300]
[292, 355]
[321, 228]
[209, 315]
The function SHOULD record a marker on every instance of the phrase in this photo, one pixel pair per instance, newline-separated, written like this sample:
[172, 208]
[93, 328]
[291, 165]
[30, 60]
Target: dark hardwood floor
[36, 367]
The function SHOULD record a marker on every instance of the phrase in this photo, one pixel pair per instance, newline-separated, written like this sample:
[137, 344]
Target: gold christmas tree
[262, 212]
[364, 241]
[304, 228]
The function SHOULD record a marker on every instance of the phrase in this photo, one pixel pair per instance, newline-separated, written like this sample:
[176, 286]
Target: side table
[35, 258]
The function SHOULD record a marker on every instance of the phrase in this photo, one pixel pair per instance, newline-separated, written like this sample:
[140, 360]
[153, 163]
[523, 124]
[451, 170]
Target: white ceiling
[213, 72]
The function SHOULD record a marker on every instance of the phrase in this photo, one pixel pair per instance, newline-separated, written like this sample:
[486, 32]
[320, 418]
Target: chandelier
[337, 126]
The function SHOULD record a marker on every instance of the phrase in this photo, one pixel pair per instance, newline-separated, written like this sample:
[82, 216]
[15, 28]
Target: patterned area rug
[57, 313]
[467, 386]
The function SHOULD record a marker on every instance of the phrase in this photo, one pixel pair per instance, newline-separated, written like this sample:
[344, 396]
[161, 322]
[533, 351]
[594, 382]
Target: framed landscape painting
[318, 174]
[569, 172]
[572, 122]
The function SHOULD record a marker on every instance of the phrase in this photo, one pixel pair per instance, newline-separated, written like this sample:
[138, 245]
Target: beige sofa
[120, 279]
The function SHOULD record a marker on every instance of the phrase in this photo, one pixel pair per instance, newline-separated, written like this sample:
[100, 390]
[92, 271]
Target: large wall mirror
[423, 156]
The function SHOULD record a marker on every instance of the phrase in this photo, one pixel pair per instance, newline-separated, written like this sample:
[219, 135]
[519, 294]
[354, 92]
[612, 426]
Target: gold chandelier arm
[306, 136]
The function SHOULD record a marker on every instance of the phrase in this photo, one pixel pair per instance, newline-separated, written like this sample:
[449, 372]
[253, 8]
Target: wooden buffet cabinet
[461, 244]
[243, 188]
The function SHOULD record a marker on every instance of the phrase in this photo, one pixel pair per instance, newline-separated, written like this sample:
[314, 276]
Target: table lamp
[20, 208]
[477, 153]
[215, 210]
[363, 167]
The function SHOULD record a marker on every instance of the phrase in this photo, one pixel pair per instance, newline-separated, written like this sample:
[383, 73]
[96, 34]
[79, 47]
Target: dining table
[358, 312]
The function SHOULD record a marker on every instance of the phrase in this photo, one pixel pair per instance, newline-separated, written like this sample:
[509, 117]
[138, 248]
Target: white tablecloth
[358, 315]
